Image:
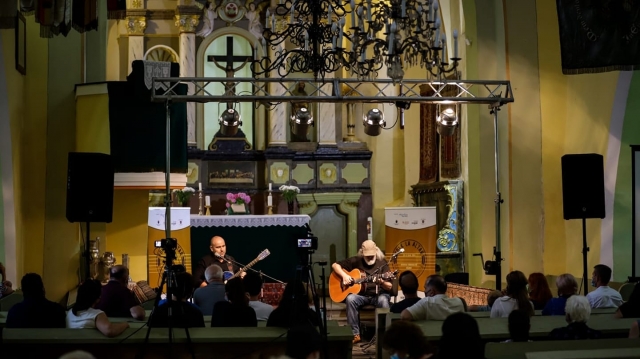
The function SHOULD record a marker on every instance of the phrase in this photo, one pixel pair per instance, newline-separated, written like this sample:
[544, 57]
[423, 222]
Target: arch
[166, 48]
[259, 131]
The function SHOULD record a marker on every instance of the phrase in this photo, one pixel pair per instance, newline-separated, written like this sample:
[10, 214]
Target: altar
[248, 235]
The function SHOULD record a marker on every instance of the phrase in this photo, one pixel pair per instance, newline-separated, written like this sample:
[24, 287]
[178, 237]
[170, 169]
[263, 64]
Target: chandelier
[312, 36]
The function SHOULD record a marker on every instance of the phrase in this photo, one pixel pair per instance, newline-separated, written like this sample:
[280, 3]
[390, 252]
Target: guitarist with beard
[369, 260]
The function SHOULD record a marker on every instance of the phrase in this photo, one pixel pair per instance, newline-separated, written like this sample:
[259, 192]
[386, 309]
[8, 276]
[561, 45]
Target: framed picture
[21, 43]
[232, 174]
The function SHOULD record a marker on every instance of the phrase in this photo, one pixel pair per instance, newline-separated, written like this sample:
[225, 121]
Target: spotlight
[229, 122]
[373, 122]
[300, 122]
[447, 120]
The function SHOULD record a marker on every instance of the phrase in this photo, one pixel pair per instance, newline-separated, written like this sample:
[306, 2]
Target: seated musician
[218, 256]
[370, 260]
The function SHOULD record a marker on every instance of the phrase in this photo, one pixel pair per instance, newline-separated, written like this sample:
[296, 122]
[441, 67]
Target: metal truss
[271, 91]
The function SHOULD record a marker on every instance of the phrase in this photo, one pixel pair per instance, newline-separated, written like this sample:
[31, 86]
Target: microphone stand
[242, 266]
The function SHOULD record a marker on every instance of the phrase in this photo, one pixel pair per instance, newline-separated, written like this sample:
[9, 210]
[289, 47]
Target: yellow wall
[128, 232]
[92, 124]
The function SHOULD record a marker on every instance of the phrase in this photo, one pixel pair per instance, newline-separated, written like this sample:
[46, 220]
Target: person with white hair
[206, 297]
[578, 311]
[370, 261]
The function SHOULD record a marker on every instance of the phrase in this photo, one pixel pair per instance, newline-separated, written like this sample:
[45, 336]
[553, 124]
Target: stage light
[229, 122]
[447, 120]
[373, 122]
[300, 122]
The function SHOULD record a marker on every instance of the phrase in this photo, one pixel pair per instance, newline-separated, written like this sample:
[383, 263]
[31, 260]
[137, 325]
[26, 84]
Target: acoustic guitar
[229, 275]
[339, 292]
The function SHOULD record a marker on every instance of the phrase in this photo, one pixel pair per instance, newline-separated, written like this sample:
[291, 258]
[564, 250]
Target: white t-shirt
[438, 307]
[503, 306]
[263, 310]
[605, 297]
[84, 319]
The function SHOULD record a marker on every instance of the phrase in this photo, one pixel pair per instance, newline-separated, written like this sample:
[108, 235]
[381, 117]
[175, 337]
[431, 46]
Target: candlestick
[200, 186]
[353, 14]
[269, 201]
[270, 187]
[200, 202]
[208, 213]
[455, 44]
[207, 201]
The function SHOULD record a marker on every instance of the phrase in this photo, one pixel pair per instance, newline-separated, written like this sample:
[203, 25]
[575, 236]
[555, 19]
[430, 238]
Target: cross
[229, 70]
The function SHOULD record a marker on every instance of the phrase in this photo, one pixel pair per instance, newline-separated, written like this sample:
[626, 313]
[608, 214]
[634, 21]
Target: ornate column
[278, 121]
[187, 19]
[327, 121]
[136, 25]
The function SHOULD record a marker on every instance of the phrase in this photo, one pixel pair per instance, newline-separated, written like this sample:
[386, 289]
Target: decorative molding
[161, 14]
[136, 25]
[188, 10]
[187, 23]
[148, 180]
[346, 203]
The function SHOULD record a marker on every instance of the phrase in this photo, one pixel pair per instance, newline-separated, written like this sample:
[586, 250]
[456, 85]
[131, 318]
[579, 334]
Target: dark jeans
[355, 301]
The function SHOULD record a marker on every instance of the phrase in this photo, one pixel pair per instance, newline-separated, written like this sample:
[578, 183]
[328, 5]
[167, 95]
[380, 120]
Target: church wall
[61, 238]
[115, 52]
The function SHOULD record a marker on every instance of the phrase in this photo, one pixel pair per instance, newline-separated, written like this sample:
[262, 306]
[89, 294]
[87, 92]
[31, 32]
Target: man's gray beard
[371, 262]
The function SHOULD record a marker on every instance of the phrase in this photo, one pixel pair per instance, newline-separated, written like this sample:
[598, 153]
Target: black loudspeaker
[89, 187]
[583, 186]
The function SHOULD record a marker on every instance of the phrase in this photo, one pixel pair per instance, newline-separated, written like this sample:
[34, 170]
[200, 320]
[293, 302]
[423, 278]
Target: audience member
[183, 313]
[604, 296]
[578, 311]
[78, 354]
[630, 309]
[409, 284]
[84, 315]
[460, 338]
[406, 340]
[491, 298]
[436, 305]
[5, 285]
[35, 311]
[117, 300]
[567, 286]
[236, 312]
[539, 292]
[207, 296]
[519, 326]
[516, 298]
[253, 285]
[303, 342]
[293, 309]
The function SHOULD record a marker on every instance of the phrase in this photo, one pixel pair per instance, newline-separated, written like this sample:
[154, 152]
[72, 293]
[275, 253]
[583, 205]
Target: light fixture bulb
[373, 122]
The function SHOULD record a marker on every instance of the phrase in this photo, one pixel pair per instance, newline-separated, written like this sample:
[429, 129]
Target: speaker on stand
[583, 195]
[90, 180]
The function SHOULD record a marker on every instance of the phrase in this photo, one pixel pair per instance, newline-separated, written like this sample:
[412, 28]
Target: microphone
[396, 254]
[221, 257]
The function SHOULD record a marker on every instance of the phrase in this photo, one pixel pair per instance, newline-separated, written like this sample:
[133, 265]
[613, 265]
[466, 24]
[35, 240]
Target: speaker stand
[87, 253]
[585, 249]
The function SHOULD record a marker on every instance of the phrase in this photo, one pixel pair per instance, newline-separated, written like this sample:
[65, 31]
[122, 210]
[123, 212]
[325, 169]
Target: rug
[428, 139]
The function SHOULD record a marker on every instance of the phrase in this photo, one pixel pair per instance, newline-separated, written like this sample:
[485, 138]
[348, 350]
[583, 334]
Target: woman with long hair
[539, 292]
[516, 298]
[405, 339]
[84, 315]
[293, 309]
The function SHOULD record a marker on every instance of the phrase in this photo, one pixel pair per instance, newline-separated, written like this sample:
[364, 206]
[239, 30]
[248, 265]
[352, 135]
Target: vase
[290, 207]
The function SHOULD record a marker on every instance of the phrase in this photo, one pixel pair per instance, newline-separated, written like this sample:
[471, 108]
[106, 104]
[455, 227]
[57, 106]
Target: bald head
[119, 273]
[218, 245]
[213, 273]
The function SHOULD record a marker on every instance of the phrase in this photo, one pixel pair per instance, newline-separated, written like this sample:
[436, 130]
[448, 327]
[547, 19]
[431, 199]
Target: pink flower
[227, 204]
[230, 196]
[247, 200]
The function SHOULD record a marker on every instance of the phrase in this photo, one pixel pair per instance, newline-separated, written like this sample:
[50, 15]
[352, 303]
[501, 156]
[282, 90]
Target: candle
[330, 15]
[293, 10]
[266, 19]
[270, 189]
[207, 201]
[353, 14]
[269, 201]
[455, 44]
[200, 186]
[430, 18]
[334, 29]
[436, 39]
[369, 10]
[403, 8]
[443, 41]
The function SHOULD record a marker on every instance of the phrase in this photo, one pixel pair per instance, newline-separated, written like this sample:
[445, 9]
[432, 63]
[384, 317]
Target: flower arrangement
[289, 193]
[183, 195]
[236, 203]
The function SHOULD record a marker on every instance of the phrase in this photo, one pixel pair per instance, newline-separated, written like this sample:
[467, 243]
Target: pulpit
[248, 235]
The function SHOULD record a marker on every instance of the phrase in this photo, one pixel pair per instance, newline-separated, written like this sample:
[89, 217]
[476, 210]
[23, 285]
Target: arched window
[228, 55]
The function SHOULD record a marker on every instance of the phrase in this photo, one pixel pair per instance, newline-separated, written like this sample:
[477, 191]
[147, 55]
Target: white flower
[285, 188]
[188, 189]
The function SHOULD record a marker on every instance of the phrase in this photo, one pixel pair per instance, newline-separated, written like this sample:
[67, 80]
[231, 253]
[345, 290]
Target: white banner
[410, 218]
[180, 218]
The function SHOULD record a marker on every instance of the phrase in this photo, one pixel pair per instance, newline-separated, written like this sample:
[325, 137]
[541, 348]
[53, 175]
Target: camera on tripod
[168, 244]
[307, 244]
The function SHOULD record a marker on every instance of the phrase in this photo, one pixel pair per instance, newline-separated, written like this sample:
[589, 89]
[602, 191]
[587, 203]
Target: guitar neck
[245, 268]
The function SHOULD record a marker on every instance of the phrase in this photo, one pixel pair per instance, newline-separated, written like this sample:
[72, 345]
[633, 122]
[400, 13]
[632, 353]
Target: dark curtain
[138, 126]
[599, 35]
[85, 16]
[116, 9]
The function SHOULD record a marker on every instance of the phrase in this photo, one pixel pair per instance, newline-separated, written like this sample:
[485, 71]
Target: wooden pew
[625, 353]
[519, 350]
[599, 311]
[226, 343]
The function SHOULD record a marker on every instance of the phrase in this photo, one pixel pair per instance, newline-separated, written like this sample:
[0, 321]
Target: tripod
[168, 278]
